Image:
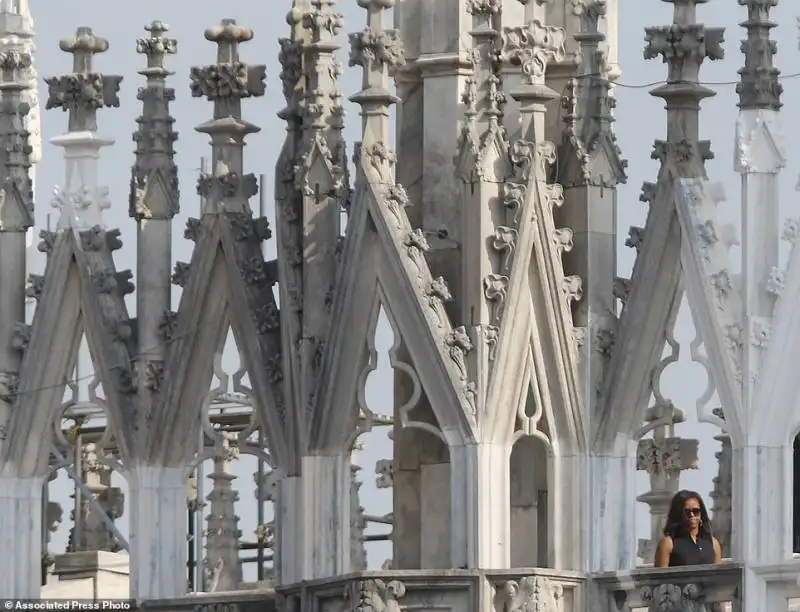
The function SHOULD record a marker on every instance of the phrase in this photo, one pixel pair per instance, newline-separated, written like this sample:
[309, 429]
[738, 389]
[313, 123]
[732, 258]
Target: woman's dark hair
[676, 525]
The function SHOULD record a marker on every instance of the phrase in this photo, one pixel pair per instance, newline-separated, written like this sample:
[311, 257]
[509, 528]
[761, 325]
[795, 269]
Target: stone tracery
[524, 365]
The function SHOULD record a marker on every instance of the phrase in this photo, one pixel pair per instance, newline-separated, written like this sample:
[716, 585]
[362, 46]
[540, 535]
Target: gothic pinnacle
[225, 84]
[377, 50]
[155, 137]
[83, 91]
[683, 46]
[759, 86]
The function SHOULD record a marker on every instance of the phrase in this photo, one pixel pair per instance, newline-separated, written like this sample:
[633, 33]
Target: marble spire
[81, 94]
[759, 87]
[226, 188]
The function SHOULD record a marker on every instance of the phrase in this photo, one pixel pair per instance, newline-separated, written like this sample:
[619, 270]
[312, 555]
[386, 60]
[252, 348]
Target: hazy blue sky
[640, 121]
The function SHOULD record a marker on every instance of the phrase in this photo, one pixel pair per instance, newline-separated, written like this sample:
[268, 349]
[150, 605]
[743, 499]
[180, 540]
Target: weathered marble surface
[158, 555]
[20, 528]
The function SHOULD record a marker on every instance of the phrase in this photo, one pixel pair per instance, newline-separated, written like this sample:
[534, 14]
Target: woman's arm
[663, 552]
[717, 551]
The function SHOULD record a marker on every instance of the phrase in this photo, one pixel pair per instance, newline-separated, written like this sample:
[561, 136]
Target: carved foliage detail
[532, 594]
[674, 598]
[376, 595]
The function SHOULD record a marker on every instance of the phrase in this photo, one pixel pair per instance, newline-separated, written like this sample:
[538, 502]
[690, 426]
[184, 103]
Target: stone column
[480, 506]
[157, 536]
[20, 487]
[326, 515]
[20, 531]
[154, 201]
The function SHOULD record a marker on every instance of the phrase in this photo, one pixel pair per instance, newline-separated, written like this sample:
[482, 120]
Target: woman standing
[687, 536]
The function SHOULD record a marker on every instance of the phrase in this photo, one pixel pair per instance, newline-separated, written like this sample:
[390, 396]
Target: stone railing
[696, 589]
[700, 588]
[392, 591]
[230, 601]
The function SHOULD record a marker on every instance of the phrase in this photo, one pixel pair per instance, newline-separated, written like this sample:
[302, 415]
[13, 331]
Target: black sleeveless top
[686, 552]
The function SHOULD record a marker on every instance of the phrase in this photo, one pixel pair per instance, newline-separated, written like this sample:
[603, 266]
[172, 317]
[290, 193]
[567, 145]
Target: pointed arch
[47, 364]
[202, 323]
[656, 282]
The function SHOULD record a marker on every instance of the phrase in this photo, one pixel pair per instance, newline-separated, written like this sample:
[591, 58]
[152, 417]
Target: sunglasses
[691, 511]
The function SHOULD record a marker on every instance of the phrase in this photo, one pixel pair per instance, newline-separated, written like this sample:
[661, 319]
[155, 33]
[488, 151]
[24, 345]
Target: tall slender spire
[377, 49]
[226, 83]
[16, 216]
[80, 94]
[154, 201]
[759, 86]
[154, 183]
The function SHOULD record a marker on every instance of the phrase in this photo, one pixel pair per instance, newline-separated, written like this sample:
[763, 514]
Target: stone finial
[759, 86]
[684, 45]
[225, 84]
[83, 47]
[376, 46]
[229, 80]
[157, 46]
[532, 47]
[377, 50]
[83, 91]
[154, 181]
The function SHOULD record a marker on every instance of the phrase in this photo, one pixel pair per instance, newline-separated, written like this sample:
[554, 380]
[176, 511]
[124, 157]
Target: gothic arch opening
[529, 464]
[421, 534]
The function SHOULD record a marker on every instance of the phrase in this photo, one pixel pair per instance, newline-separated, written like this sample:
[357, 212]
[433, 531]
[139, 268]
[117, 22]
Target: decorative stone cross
[84, 91]
[225, 84]
[157, 46]
[229, 80]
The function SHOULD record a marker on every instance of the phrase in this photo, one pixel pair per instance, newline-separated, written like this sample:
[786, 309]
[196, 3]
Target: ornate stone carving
[35, 286]
[760, 85]
[267, 318]
[193, 229]
[21, 337]
[169, 325]
[622, 289]
[227, 185]
[572, 287]
[684, 47]
[459, 344]
[484, 7]
[84, 91]
[384, 470]
[505, 241]
[648, 193]
[154, 375]
[635, 238]
[384, 46]
[223, 81]
[674, 598]
[666, 455]
[48, 240]
[532, 594]
[376, 595]
[180, 274]
[438, 294]
[532, 46]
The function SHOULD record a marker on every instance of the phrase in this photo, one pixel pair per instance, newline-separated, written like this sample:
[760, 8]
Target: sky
[640, 120]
